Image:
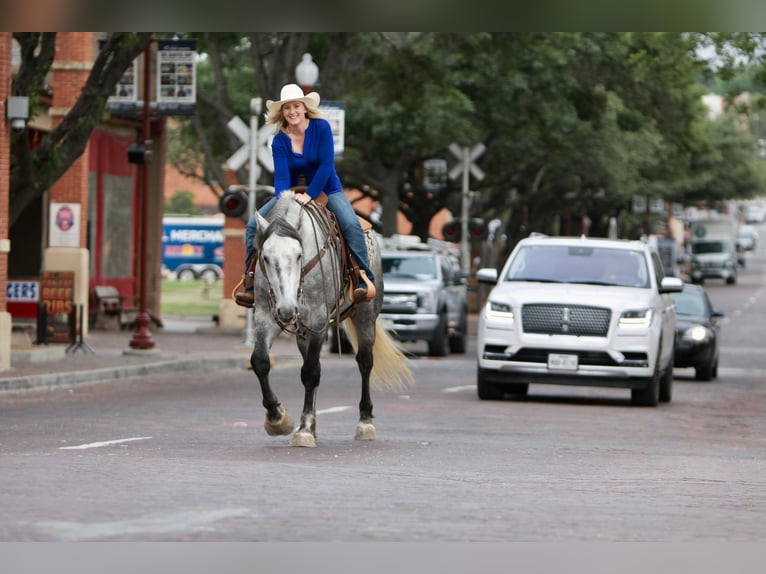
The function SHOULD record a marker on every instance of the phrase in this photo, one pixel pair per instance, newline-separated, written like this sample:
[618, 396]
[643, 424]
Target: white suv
[578, 311]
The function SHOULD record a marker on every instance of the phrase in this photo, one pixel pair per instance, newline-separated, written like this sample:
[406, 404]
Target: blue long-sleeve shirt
[316, 163]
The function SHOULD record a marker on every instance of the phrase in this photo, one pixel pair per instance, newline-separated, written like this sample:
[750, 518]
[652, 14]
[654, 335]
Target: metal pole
[142, 335]
[465, 254]
[255, 111]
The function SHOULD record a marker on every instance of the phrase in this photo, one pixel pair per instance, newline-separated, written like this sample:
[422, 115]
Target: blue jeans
[348, 222]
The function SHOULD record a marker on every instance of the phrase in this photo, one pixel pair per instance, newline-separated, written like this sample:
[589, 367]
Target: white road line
[104, 443]
[459, 389]
[331, 410]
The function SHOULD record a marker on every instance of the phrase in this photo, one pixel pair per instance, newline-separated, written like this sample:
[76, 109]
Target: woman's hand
[302, 198]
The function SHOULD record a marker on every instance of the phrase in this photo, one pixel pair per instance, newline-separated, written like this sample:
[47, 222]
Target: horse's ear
[263, 223]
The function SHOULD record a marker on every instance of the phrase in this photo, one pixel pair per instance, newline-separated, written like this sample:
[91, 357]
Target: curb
[58, 380]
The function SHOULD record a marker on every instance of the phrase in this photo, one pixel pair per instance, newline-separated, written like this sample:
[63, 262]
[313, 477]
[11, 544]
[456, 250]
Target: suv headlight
[497, 310]
[636, 319]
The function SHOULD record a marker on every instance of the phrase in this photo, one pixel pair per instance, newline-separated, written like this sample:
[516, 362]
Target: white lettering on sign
[26, 291]
[197, 235]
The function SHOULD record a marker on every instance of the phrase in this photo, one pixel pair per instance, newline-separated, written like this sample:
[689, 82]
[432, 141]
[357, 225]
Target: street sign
[467, 160]
[264, 136]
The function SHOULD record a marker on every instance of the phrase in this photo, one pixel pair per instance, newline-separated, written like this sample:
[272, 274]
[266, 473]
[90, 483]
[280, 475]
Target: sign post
[466, 167]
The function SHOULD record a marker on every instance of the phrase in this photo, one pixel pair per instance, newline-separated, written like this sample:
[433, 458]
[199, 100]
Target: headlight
[496, 310]
[697, 334]
[427, 302]
[636, 318]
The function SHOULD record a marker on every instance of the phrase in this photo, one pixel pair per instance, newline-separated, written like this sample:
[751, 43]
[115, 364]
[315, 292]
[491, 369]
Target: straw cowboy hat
[292, 92]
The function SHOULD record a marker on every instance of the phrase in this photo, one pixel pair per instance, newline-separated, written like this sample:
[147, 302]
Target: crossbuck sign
[263, 142]
[466, 166]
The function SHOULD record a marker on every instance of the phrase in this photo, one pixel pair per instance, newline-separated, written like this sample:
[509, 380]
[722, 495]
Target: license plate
[562, 362]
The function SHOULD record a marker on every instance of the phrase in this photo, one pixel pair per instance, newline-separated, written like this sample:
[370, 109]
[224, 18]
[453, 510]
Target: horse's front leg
[310, 373]
[278, 420]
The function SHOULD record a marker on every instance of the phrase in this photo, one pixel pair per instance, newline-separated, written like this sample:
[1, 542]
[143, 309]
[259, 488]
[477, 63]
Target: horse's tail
[389, 368]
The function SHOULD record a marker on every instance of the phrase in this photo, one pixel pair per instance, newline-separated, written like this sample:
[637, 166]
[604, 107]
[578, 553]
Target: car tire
[438, 346]
[487, 391]
[210, 275]
[649, 396]
[666, 383]
[186, 275]
[705, 372]
[457, 342]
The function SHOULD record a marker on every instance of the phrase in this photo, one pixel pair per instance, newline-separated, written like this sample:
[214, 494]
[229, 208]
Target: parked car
[578, 311]
[747, 238]
[698, 332]
[424, 298]
[755, 214]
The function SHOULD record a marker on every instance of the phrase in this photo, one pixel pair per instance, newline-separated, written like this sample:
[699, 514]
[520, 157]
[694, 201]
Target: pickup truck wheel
[457, 342]
[438, 346]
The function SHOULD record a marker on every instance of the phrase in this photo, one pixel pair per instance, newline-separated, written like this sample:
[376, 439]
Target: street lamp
[306, 73]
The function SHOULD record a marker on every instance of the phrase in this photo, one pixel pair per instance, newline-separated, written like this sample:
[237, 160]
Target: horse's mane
[279, 218]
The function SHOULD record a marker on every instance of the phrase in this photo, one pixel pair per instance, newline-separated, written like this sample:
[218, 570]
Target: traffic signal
[452, 231]
[477, 230]
[232, 203]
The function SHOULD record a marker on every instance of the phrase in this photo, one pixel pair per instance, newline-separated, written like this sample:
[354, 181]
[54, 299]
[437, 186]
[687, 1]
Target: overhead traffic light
[233, 203]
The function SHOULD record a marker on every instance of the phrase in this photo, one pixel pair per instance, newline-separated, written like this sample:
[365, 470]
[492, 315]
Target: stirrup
[362, 295]
[244, 300]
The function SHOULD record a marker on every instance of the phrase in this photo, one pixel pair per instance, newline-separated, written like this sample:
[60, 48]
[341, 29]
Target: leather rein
[325, 222]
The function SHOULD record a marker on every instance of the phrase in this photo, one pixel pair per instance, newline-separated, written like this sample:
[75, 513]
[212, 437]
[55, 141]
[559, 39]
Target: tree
[35, 170]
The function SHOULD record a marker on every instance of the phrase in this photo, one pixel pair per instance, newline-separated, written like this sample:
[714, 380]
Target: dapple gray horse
[297, 288]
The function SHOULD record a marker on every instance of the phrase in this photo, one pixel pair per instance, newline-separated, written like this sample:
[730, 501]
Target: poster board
[57, 299]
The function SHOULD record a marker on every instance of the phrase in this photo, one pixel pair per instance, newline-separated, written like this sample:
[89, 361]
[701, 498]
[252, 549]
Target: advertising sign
[335, 113]
[176, 76]
[64, 228]
[57, 298]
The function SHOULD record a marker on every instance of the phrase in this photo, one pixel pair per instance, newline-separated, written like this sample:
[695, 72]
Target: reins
[319, 224]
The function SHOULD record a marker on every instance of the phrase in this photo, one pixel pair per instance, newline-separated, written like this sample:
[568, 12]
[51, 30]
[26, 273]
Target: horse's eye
[266, 260]
[300, 255]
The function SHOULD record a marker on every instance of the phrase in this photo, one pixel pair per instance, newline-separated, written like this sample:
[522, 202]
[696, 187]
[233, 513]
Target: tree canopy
[574, 124]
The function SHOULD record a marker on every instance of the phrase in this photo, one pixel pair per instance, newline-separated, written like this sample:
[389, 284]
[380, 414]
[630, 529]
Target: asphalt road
[184, 457]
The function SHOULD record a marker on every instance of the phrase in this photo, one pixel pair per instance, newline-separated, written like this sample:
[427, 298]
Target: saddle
[350, 272]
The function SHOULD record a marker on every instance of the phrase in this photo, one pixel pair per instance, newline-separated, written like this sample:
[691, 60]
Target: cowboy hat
[292, 92]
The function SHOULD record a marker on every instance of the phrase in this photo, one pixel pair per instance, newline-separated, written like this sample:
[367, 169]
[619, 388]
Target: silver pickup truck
[424, 299]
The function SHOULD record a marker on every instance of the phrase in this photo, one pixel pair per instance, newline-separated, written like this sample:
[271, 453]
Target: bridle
[319, 224]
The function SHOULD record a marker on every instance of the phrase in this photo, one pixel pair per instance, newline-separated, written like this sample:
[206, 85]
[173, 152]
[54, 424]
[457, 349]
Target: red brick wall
[74, 56]
[5, 145]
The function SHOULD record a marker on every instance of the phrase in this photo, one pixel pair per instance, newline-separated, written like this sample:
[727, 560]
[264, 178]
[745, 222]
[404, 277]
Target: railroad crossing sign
[263, 142]
[467, 156]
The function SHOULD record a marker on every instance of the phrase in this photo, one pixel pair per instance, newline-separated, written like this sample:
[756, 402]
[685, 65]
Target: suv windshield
[579, 264]
[421, 268]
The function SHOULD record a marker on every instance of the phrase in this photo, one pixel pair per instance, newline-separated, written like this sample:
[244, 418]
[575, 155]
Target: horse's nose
[287, 314]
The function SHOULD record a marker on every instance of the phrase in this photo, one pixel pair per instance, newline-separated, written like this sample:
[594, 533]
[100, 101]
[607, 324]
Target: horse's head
[280, 250]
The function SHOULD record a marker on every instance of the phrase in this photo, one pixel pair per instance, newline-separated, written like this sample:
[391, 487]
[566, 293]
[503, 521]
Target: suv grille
[578, 320]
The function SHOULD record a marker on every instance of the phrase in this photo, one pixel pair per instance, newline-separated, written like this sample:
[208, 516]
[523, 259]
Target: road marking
[160, 523]
[104, 443]
[459, 389]
[331, 410]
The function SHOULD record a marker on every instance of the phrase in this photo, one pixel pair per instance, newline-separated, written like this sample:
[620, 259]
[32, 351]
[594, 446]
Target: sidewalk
[183, 344]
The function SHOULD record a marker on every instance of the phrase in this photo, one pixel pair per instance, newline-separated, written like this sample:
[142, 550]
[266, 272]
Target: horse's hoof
[283, 426]
[365, 431]
[303, 438]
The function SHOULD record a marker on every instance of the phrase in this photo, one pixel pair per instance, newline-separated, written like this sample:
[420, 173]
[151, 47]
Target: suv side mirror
[487, 275]
[671, 285]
